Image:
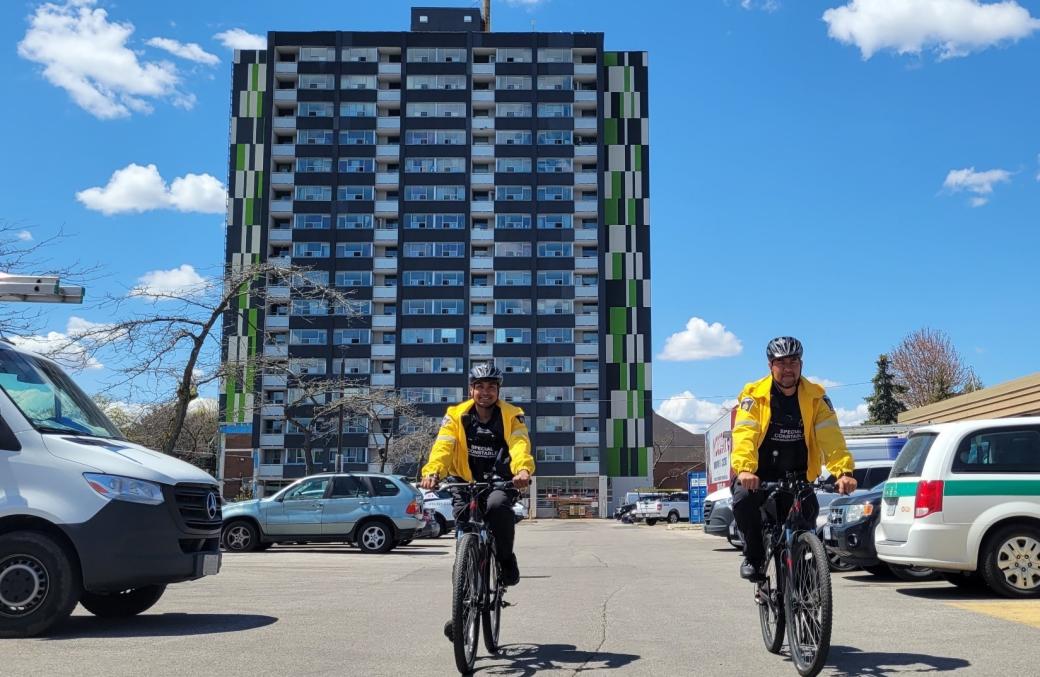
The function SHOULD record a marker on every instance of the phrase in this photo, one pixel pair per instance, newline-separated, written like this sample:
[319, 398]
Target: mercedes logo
[211, 505]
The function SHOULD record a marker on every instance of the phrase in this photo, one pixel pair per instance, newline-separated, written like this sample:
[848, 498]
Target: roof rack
[37, 289]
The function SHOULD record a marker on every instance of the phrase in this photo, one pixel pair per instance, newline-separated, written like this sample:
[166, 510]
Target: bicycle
[477, 590]
[796, 593]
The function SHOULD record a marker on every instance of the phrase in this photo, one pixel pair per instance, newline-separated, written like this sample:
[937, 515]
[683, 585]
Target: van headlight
[858, 511]
[116, 488]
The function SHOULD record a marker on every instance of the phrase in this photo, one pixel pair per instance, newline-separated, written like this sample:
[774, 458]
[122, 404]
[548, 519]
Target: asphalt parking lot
[597, 598]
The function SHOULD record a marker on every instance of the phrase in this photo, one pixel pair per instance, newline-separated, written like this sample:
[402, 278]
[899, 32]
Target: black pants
[498, 514]
[747, 510]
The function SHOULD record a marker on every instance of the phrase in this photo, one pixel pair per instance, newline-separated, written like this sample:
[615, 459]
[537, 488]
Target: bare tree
[313, 409]
[414, 443]
[149, 426]
[388, 412]
[929, 367]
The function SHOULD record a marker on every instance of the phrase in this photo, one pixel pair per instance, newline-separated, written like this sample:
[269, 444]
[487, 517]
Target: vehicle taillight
[413, 508]
[929, 498]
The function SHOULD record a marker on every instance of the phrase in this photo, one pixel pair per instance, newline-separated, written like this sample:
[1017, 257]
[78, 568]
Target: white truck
[86, 516]
[673, 507]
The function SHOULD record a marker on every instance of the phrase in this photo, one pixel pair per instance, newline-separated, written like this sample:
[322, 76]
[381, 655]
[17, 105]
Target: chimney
[487, 16]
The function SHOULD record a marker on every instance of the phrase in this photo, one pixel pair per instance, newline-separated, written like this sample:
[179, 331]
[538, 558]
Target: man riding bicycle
[479, 436]
[784, 424]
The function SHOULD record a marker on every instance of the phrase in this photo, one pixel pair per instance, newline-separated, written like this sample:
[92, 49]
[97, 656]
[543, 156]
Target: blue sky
[816, 170]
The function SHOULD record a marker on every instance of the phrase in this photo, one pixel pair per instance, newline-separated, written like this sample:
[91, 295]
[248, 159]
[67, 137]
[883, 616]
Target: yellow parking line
[1025, 612]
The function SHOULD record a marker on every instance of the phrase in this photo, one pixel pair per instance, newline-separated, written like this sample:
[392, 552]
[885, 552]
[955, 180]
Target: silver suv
[377, 512]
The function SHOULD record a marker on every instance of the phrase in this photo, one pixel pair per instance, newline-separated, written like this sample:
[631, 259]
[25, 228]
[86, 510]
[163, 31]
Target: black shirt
[485, 441]
[784, 449]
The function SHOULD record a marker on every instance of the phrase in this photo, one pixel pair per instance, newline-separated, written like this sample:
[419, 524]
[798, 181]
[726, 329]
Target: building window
[558, 137]
[555, 365]
[311, 221]
[344, 193]
[513, 164]
[515, 335]
[549, 249]
[516, 394]
[308, 337]
[555, 335]
[356, 164]
[307, 366]
[513, 110]
[418, 336]
[555, 221]
[320, 137]
[436, 82]
[357, 109]
[345, 337]
[311, 250]
[431, 365]
[354, 278]
[510, 137]
[448, 193]
[317, 54]
[314, 164]
[554, 82]
[550, 55]
[326, 81]
[555, 164]
[515, 365]
[357, 137]
[555, 453]
[513, 278]
[513, 193]
[354, 222]
[513, 307]
[513, 249]
[315, 109]
[357, 82]
[309, 307]
[513, 55]
[430, 164]
[513, 222]
[447, 137]
[421, 109]
[555, 278]
[353, 249]
[433, 307]
[360, 54]
[546, 193]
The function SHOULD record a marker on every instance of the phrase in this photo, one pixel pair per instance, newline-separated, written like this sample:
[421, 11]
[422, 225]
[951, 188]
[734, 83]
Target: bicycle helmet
[783, 346]
[485, 371]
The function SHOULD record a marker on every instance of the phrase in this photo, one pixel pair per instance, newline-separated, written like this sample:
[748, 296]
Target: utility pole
[342, 382]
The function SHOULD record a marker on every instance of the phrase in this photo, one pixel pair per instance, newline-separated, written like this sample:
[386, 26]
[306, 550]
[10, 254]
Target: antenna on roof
[41, 289]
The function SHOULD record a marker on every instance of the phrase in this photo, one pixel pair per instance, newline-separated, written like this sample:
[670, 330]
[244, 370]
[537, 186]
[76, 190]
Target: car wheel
[651, 522]
[837, 563]
[122, 604]
[240, 536]
[673, 517]
[1011, 561]
[39, 585]
[374, 537]
[913, 574]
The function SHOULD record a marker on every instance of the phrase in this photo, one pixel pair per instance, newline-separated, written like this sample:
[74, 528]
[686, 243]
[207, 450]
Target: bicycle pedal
[505, 604]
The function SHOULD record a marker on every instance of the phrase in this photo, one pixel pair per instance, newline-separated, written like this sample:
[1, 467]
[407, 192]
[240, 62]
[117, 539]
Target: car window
[1012, 451]
[308, 490]
[348, 487]
[860, 475]
[383, 486]
[444, 493]
[911, 459]
[876, 476]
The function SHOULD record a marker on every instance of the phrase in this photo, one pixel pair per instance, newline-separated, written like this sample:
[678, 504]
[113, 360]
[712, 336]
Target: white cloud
[24, 236]
[237, 38]
[950, 27]
[850, 417]
[158, 284]
[692, 413]
[979, 183]
[764, 5]
[60, 346]
[526, 3]
[85, 54]
[139, 189]
[825, 382]
[190, 51]
[701, 341]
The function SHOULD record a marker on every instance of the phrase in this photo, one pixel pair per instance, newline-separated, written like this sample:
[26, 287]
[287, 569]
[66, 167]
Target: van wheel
[913, 574]
[240, 536]
[651, 522]
[375, 537]
[1011, 563]
[39, 585]
[673, 517]
[122, 604]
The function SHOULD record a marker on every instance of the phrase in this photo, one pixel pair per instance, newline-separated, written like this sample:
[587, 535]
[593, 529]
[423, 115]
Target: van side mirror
[8, 440]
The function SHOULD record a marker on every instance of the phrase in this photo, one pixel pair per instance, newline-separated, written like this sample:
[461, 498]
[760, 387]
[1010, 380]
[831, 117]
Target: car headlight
[722, 502]
[116, 488]
[858, 511]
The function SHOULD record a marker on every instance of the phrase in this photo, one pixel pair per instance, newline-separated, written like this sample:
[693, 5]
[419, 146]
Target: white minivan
[85, 516]
[964, 498]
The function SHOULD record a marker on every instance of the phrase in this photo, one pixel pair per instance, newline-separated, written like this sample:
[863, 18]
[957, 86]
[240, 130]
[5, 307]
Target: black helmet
[485, 371]
[783, 346]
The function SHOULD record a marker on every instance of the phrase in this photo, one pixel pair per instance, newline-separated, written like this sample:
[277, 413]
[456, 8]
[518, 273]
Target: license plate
[890, 508]
[211, 564]
[826, 532]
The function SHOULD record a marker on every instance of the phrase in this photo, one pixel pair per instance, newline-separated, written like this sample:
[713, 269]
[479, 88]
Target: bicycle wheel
[465, 603]
[807, 604]
[491, 615]
[769, 596]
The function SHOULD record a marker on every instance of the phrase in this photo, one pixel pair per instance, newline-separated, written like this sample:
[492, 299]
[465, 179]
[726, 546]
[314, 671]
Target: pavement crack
[603, 630]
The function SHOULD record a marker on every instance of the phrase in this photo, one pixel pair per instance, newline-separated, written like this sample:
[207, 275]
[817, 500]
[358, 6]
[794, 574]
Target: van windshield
[911, 459]
[49, 399]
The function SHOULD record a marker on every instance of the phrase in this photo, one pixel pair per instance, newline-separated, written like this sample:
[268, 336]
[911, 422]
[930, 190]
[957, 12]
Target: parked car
[634, 515]
[377, 512]
[623, 510]
[964, 499]
[440, 503]
[673, 507]
[431, 528]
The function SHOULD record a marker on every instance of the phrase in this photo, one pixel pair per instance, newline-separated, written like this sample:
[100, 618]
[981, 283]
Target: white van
[965, 497]
[86, 516]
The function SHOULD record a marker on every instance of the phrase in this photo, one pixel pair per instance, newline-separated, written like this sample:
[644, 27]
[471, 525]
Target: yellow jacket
[450, 455]
[822, 435]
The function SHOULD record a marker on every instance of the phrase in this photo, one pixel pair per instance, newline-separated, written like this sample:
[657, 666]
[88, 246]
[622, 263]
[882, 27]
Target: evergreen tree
[884, 406]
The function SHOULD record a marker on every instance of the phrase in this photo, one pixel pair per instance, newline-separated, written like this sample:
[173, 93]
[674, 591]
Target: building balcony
[583, 379]
[482, 263]
[392, 123]
[483, 123]
[270, 471]
[281, 207]
[277, 321]
[590, 291]
[272, 410]
[482, 180]
[384, 321]
[481, 292]
[285, 95]
[275, 380]
[586, 235]
[282, 179]
[586, 320]
[585, 179]
[586, 263]
[276, 440]
[586, 408]
[586, 124]
[387, 68]
[587, 468]
[276, 351]
[285, 67]
[482, 235]
[279, 261]
[585, 68]
[586, 349]
[480, 350]
[384, 293]
[483, 69]
[277, 293]
[387, 180]
[586, 438]
[279, 235]
[483, 207]
[484, 95]
[587, 150]
[487, 321]
[385, 235]
[586, 207]
[384, 350]
[283, 151]
[383, 380]
[586, 95]
[388, 152]
[388, 95]
[386, 207]
[482, 151]
[385, 263]
[285, 122]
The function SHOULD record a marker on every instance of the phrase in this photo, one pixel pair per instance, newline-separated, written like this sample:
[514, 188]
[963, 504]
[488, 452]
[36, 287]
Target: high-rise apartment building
[484, 196]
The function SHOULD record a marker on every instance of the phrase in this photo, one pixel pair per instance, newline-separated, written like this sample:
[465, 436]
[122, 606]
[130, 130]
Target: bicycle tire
[465, 603]
[491, 614]
[770, 600]
[808, 605]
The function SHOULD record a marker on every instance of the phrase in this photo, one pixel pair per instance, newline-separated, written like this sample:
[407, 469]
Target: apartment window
[443, 249]
[515, 365]
[512, 335]
[311, 278]
[513, 307]
[446, 335]
[555, 164]
[555, 335]
[546, 193]
[316, 81]
[561, 82]
[513, 164]
[311, 250]
[432, 164]
[433, 307]
[514, 82]
[513, 193]
[432, 395]
[513, 110]
[555, 278]
[447, 137]
[356, 164]
[432, 365]
[357, 109]
[513, 136]
[555, 394]
[555, 249]
[355, 424]
[555, 221]
[353, 308]
[320, 137]
[431, 55]
[555, 307]
[346, 337]
[354, 455]
[437, 278]
[315, 109]
[314, 164]
[344, 193]
[555, 365]
[357, 137]
[434, 221]
[357, 82]
[427, 109]
[360, 54]
[309, 307]
[307, 366]
[554, 453]
[271, 457]
[314, 193]
[553, 55]
[317, 54]
[352, 249]
[308, 337]
[451, 193]
[550, 137]
[554, 424]
[311, 221]
[436, 82]
[513, 222]
[555, 110]
[512, 249]
[354, 278]
[354, 222]
[513, 55]
[515, 394]
[513, 278]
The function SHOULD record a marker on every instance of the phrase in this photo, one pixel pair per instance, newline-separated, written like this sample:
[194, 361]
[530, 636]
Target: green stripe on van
[990, 488]
[897, 489]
